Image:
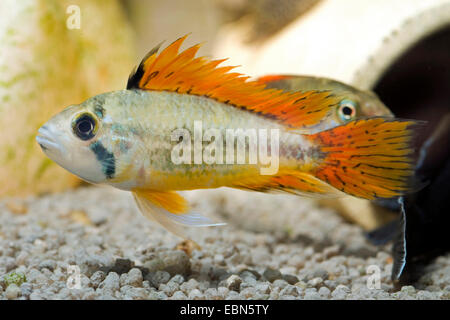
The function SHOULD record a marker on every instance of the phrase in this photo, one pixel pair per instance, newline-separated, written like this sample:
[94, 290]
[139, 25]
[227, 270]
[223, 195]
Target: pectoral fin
[170, 210]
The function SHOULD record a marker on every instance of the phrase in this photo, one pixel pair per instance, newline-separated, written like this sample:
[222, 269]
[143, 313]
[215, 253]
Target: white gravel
[92, 243]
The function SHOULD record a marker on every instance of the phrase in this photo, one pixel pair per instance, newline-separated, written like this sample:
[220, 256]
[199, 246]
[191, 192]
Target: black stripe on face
[105, 158]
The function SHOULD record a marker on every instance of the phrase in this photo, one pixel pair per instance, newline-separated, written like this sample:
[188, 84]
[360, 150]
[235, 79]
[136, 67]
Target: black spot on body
[105, 158]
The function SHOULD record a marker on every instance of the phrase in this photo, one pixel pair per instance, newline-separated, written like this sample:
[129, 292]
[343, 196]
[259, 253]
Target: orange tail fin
[369, 158]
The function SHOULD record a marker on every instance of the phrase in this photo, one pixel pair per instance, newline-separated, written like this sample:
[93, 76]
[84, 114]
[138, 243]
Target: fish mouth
[46, 141]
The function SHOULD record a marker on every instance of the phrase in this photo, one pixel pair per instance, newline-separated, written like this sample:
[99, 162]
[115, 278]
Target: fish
[168, 131]
[356, 103]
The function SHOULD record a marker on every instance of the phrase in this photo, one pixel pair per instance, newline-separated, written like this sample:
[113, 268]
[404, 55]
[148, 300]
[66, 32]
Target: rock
[134, 278]
[26, 289]
[248, 293]
[120, 266]
[212, 294]
[97, 278]
[263, 288]
[189, 285]
[219, 259]
[188, 246]
[272, 274]
[154, 264]
[222, 292]
[176, 262]
[321, 273]
[35, 276]
[421, 295]
[22, 258]
[179, 295]
[157, 295]
[312, 294]
[249, 273]
[133, 293]
[330, 252]
[248, 279]
[12, 292]
[324, 292]
[289, 290]
[361, 250]
[170, 288]
[111, 282]
[289, 278]
[178, 279]
[331, 284]
[49, 264]
[301, 284]
[315, 282]
[218, 273]
[36, 295]
[233, 295]
[410, 290]
[195, 294]
[159, 277]
[341, 292]
[234, 283]
[280, 283]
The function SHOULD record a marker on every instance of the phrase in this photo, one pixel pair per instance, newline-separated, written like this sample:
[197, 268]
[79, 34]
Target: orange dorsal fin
[186, 74]
[273, 78]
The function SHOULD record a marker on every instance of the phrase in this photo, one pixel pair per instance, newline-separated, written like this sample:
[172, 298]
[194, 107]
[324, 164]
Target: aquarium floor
[92, 243]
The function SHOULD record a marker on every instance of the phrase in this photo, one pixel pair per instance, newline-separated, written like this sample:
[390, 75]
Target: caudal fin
[369, 158]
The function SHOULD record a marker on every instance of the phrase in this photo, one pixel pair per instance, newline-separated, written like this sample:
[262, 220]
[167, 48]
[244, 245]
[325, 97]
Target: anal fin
[170, 210]
[295, 182]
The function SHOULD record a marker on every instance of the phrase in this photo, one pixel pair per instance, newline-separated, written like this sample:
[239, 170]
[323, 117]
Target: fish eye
[347, 110]
[85, 126]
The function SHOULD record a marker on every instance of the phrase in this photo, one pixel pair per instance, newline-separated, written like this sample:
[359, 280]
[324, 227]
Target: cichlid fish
[146, 139]
[355, 103]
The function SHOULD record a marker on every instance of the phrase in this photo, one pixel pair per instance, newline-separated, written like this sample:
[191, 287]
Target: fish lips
[48, 143]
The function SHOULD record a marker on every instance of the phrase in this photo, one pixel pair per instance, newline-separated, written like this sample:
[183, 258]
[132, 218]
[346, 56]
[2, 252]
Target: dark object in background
[418, 87]
[266, 17]
[423, 233]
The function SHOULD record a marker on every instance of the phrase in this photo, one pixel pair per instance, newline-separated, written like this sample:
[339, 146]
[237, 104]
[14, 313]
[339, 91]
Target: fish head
[79, 139]
[372, 106]
[355, 104]
[360, 105]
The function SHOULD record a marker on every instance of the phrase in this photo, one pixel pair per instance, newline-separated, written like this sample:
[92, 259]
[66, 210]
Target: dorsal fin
[184, 73]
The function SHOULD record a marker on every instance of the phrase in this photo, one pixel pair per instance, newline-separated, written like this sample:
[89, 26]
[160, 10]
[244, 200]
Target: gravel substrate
[274, 247]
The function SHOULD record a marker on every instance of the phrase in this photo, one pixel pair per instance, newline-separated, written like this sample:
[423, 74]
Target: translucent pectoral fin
[170, 210]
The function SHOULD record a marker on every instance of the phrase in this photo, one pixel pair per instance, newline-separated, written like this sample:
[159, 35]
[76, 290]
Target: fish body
[185, 123]
[139, 126]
